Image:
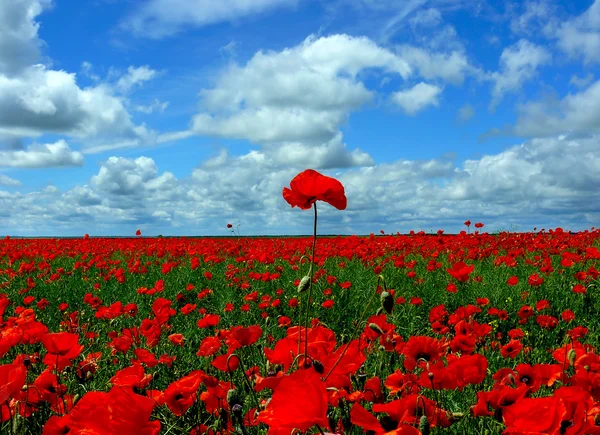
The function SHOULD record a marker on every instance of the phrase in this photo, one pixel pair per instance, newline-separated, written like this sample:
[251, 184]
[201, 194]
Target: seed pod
[304, 284]
[571, 355]
[376, 328]
[387, 301]
[237, 410]
[424, 425]
[233, 398]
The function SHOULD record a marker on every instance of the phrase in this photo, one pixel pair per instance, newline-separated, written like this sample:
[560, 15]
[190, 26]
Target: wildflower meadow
[404, 334]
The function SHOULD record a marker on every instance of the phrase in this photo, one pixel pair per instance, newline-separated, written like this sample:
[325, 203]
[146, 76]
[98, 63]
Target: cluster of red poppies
[403, 334]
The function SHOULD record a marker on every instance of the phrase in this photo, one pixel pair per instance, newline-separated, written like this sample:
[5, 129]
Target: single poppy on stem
[307, 188]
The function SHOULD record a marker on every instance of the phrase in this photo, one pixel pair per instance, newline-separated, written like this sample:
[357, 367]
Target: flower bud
[304, 284]
[387, 301]
[318, 366]
[233, 398]
[376, 328]
[237, 410]
[571, 355]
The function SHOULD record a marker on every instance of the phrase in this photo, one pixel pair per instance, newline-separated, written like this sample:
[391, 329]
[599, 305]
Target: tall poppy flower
[310, 186]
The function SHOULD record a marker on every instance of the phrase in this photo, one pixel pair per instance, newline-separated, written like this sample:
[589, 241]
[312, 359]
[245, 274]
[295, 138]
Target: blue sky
[179, 116]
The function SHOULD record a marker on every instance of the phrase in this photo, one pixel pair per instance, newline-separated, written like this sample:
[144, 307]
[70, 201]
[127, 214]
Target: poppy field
[472, 333]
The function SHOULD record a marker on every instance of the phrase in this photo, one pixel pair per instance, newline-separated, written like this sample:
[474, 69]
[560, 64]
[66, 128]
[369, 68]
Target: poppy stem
[320, 430]
[311, 282]
[245, 378]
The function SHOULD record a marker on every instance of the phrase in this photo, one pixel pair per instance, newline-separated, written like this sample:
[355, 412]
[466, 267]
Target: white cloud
[298, 98]
[19, 42]
[466, 112]
[581, 82]
[273, 125]
[36, 99]
[580, 37]
[156, 106]
[122, 176]
[331, 154]
[41, 156]
[135, 76]
[577, 113]
[451, 67]
[41, 101]
[532, 184]
[160, 18]
[417, 98]
[518, 64]
[532, 17]
[5, 180]
[294, 102]
[430, 17]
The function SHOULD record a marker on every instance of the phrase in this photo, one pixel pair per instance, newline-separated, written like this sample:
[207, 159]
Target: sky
[177, 117]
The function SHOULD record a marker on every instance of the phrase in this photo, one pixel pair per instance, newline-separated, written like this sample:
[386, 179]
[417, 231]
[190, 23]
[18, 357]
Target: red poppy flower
[512, 349]
[133, 376]
[209, 346]
[422, 349]
[118, 411]
[239, 336]
[12, 378]
[310, 186]
[229, 225]
[181, 394]
[138, 233]
[176, 339]
[209, 320]
[299, 402]
[540, 415]
[461, 271]
[61, 343]
[363, 418]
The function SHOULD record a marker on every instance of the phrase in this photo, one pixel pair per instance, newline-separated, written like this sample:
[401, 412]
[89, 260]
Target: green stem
[249, 385]
[311, 271]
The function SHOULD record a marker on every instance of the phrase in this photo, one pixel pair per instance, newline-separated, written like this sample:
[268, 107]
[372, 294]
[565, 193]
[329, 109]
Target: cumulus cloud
[294, 102]
[36, 99]
[297, 99]
[19, 42]
[518, 64]
[122, 177]
[41, 156]
[576, 113]
[417, 98]
[450, 67]
[161, 18]
[541, 182]
[5, 180]
[40, 101]
[579, 37]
